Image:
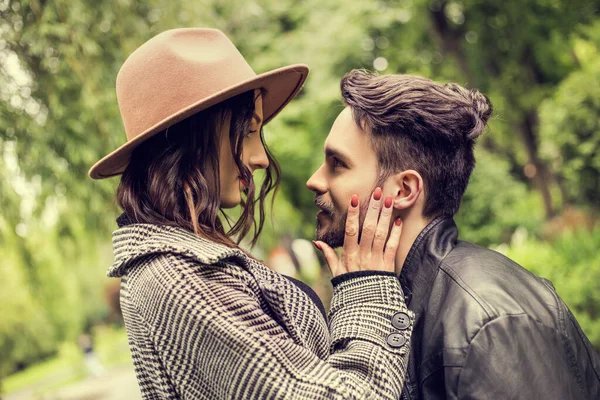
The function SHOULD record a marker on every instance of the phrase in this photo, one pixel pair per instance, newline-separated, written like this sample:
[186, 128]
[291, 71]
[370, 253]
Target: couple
[415, 313]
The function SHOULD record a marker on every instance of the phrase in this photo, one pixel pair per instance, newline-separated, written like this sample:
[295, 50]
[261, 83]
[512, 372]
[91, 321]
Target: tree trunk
[451, 43]
[540, 175]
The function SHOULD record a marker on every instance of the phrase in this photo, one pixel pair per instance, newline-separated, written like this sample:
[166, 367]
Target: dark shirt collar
[432, 245]
[124, 220]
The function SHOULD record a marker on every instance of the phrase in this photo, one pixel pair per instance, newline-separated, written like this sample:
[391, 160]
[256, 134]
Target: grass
[67, 366]
[36, 374]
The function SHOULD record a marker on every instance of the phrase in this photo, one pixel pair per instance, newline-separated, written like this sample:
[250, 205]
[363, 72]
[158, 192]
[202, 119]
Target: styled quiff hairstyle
[415, 123]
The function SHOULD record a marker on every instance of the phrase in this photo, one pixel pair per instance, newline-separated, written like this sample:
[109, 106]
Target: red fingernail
[354, 201]
[317, 245]
[388, 201]
[398, 221]
[377, 193]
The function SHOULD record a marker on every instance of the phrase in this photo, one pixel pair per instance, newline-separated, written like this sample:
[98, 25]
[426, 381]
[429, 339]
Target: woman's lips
[243, 182]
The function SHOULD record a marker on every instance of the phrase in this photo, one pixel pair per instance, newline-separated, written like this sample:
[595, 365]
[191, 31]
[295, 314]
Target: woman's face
[254, 157]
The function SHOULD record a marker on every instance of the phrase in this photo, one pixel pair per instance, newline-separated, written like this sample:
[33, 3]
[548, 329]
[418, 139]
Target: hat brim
[281, 86]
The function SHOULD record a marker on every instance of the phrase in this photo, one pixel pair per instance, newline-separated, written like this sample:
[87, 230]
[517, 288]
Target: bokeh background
[534, 194]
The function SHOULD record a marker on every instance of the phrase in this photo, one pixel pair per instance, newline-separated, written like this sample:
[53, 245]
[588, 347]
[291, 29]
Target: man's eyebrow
[329, 152]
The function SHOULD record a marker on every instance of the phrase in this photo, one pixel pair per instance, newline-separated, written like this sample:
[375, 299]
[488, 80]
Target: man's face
[350, 168]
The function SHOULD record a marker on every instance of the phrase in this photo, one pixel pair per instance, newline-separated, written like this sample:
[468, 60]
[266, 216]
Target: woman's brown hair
[173, 177]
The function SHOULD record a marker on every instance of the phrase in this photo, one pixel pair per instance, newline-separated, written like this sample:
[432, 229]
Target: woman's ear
[409, 187]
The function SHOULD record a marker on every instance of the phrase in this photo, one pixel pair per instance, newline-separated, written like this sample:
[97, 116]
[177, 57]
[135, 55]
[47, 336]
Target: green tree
[570, 125]
[516, 52]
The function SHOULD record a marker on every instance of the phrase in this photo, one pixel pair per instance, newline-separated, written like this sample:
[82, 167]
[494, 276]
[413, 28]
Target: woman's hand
[372, 253]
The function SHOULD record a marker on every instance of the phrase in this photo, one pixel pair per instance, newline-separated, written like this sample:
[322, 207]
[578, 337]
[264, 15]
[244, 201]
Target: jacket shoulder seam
[463, 285]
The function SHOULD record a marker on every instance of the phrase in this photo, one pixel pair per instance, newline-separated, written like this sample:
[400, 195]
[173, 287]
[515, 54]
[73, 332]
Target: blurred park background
[534, 194]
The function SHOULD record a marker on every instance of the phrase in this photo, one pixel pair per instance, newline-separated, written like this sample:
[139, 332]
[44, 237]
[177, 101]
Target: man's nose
[316, 182]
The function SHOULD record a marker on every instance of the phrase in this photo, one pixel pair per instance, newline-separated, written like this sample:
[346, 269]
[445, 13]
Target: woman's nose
[258, 158]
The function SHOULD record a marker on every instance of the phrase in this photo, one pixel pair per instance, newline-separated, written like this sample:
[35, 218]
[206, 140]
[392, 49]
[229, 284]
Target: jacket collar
[432, 245]
[133, 241]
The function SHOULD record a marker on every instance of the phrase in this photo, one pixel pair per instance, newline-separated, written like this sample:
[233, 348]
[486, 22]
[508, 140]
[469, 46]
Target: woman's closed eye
[250, 133]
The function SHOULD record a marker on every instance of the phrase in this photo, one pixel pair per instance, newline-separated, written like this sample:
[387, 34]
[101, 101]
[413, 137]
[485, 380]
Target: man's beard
[335, 232]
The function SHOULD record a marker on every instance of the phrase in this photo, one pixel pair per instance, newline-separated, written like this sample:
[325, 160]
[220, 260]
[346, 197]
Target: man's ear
[409, 187]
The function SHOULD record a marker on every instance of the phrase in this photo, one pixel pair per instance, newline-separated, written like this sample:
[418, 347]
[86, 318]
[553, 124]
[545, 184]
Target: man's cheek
[341, 206]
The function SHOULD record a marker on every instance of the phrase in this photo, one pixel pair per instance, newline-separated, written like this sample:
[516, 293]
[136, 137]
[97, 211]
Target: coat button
[396, 339]
[401, 321]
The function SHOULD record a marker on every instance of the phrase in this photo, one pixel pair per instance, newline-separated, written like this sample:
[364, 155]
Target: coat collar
[432, 245]
[133, 241]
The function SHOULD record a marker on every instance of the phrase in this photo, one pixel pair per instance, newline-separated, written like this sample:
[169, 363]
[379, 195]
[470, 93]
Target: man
[485, 328]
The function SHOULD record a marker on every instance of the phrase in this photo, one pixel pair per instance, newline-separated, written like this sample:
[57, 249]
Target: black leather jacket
[486, 328]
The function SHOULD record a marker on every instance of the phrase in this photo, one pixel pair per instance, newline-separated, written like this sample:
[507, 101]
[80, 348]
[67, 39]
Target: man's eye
[338, 164]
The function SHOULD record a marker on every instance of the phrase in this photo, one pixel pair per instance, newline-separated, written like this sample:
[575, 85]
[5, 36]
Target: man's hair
[415, 123]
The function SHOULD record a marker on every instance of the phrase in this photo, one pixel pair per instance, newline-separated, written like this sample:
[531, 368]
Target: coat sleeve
[516, 357]
[216, 339]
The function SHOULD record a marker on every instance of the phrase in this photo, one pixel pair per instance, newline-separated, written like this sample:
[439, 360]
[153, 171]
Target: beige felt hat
[180, 72]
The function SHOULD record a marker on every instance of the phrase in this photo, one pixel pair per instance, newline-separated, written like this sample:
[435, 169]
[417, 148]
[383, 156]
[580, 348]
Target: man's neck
[412, 225]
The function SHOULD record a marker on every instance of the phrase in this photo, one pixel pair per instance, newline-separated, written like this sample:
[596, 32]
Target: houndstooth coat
[205, 321]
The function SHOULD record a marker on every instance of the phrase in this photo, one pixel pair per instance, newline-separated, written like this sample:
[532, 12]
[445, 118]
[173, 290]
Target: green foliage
[25, 331]
[53, 288]
[494, 195]
[569, 127]
[572, 263]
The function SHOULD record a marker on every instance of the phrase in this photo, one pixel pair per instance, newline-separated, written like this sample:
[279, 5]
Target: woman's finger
[389, 257]
[352, 224]
[383, 228]
[370, 222]
[331, 257]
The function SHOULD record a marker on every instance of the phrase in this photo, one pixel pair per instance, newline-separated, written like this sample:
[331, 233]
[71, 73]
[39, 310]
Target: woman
[204, 319]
